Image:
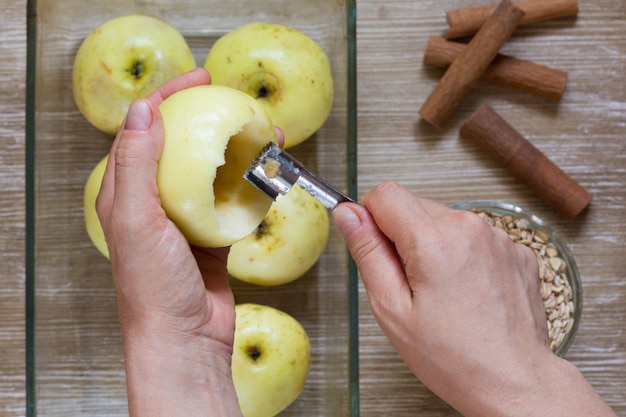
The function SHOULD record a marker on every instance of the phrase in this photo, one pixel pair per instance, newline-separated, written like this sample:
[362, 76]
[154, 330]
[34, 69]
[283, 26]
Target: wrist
[176, 372]
[167, 377]
[536, 386]
[497, 388]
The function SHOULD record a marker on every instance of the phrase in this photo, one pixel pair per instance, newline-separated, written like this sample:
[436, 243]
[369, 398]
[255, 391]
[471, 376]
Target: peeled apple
[212, 134]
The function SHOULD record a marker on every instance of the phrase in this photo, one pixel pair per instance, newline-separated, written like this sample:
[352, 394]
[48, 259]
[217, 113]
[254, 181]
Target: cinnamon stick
[470, 65]
[525, 162]
[504, 70]
[467, 21]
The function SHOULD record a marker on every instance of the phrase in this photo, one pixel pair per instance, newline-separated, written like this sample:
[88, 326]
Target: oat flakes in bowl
[561, 289]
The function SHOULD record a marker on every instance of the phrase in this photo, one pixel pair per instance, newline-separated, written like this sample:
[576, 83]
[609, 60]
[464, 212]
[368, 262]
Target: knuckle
[364, 249]
[471, 223]
[126, 155]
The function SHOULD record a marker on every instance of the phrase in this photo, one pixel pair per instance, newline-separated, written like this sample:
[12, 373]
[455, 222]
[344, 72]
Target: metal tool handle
[274, 172]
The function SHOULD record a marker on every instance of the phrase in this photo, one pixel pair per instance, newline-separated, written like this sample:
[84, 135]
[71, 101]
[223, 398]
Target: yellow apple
[123, 59]
[286, 244]
[271, 359]
[212, 134]
[287, 71]
[92, 222]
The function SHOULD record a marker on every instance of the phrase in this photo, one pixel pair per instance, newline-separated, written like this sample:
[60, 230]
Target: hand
[175, 304]
[460, 302]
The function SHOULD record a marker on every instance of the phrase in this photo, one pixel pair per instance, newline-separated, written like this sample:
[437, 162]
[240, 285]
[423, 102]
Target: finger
[401, 216]
[130, 176]
[193, 78]
[381, 269]
[390, 196]
[280, 136]
[135, 160]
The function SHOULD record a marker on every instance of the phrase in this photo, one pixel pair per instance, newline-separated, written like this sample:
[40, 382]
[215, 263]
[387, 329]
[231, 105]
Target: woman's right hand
[460, 302]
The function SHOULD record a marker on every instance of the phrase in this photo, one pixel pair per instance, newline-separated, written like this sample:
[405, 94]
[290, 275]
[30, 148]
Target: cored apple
[212, 135]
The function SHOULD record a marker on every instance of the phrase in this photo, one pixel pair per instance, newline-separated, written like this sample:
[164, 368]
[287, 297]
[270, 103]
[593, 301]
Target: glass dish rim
[30, 193]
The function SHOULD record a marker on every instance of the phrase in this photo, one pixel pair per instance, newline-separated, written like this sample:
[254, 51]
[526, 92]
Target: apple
[92, 222]
[212, 135]
[285, 245]
[287, 71]
[123, 59]
[271, 359]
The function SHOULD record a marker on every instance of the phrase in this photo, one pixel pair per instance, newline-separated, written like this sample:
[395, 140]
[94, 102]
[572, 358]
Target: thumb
[136, 156]
[138, 152]
[375, 255]
[130, 178]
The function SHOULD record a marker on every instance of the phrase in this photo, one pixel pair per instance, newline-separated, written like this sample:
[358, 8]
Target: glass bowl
[543, 237]
[74, 360]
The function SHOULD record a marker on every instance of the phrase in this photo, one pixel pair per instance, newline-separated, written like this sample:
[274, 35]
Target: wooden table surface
[584, 134]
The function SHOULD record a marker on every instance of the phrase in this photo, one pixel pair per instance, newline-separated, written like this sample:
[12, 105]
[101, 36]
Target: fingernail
[139, 116]
[346, 220]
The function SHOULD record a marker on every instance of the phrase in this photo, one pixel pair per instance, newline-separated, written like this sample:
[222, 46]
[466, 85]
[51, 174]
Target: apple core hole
[263, 92]
[254, 352]
[136, 70]
[263, 85]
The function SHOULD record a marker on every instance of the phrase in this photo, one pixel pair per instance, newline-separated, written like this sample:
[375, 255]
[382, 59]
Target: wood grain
[583, 134]
[12, 217]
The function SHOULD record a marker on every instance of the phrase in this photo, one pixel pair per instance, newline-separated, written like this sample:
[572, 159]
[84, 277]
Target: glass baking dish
[74, 358]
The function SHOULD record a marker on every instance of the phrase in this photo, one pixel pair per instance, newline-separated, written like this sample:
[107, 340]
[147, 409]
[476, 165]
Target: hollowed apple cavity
[234, 196]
